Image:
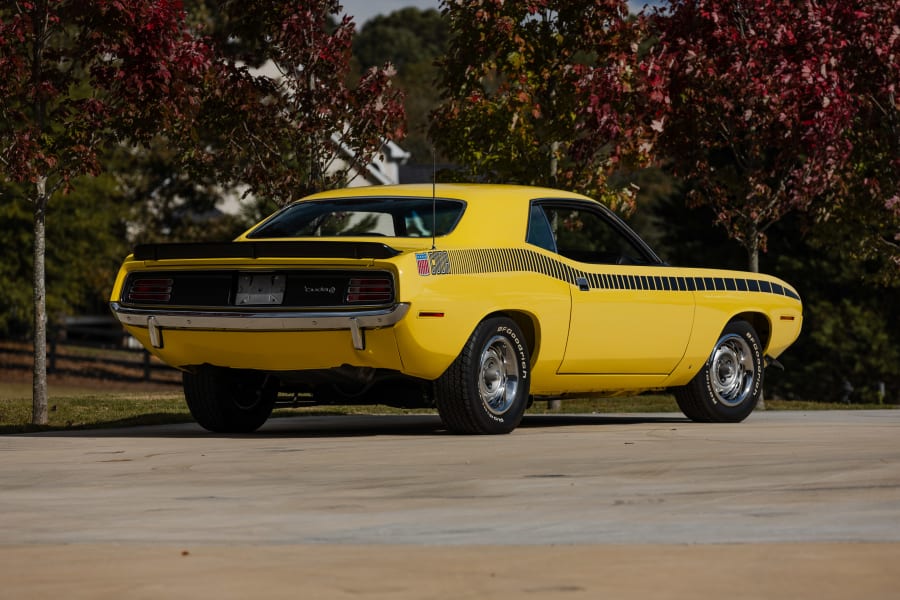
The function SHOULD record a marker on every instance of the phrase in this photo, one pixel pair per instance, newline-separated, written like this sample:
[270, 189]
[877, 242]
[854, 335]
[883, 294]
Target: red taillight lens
[150, 290]
[375, 290]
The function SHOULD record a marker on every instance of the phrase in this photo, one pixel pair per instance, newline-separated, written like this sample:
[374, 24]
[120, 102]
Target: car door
[629, 314]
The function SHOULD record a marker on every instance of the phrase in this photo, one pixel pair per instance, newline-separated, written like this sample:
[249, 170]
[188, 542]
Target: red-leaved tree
[279, 115]
[860, 219]
[76, 77]
[761, 101]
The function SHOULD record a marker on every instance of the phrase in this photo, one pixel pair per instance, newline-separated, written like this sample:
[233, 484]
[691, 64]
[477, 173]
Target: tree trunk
[753, 253]
[39, 414]
[554, 162]
[753, 266]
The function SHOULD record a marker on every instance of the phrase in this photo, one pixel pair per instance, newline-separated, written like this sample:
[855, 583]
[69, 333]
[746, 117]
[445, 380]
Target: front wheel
[485, 390]
[728, 387]
[227, 401]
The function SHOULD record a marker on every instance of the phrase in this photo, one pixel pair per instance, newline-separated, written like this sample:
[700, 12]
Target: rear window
[388, 217]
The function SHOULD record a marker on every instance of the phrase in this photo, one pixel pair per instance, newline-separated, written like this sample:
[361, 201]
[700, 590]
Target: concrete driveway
[787, 504]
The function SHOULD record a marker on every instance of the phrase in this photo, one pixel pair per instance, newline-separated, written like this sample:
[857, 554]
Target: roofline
[449, 190]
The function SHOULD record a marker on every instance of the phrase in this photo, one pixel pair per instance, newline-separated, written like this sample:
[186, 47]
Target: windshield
[389, 217]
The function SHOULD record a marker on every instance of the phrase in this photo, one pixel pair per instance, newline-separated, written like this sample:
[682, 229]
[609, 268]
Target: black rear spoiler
[304, 249]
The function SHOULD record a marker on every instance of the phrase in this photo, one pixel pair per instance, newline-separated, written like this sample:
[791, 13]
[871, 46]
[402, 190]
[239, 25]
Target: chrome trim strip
[246, 320]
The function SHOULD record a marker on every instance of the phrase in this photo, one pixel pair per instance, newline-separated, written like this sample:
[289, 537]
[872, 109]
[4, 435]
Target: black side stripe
[508, 260]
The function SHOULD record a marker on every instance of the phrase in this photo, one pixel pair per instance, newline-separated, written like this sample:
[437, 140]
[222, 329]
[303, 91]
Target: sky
[363, 10]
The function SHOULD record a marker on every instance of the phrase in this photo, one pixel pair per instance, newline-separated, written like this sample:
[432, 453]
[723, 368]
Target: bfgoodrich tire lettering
[728, 387]
[226, 401]
[485, 390]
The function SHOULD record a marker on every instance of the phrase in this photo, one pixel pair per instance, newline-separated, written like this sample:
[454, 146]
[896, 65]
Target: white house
[383, 170]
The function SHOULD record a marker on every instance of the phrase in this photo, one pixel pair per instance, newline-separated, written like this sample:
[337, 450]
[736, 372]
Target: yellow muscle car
[474, 299]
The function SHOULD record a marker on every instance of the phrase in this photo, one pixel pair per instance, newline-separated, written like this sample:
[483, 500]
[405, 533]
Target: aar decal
[422, 263]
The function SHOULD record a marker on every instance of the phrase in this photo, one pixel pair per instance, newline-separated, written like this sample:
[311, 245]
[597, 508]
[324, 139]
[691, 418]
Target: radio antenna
[433, 199]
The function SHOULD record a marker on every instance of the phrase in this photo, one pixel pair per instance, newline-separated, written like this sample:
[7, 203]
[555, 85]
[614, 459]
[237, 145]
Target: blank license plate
[260, 288]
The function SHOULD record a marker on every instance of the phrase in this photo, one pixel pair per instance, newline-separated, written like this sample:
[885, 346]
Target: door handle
[583, 284]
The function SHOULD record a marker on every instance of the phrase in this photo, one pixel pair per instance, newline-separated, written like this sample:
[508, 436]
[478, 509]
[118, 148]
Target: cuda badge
[319, 290]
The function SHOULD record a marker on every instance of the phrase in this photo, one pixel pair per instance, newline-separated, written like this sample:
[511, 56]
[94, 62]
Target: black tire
[226, 401]
[728, 387]
[485, 390]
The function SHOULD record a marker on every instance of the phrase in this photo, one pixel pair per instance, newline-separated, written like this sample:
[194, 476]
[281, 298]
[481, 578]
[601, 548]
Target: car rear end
[253, 305]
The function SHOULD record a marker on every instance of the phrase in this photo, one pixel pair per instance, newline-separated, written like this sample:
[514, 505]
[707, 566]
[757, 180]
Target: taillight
[374, 290]
[150, 290]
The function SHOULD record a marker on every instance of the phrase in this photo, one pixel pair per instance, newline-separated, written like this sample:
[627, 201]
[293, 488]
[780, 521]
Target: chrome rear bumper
[156, 320]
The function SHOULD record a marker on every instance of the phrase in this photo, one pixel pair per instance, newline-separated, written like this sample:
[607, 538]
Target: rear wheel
[227, 401]
[485, 390]
[728, 387]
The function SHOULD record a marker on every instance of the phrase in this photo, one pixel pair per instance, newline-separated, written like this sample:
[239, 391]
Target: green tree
[167, 203]
[544, 92]
[84, 247]
[851, 330]
[406, 37]
[16, 301]
[411, 40]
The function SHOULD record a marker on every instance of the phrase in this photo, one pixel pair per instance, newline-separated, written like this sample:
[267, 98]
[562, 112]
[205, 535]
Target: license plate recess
[259, 289]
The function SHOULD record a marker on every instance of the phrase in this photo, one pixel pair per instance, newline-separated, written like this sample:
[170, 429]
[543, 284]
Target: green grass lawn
[74, 408]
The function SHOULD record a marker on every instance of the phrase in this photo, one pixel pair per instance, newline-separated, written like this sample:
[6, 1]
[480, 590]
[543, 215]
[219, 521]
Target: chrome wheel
[728, 386]
[485, 390]
[498, 375]
[732, 370]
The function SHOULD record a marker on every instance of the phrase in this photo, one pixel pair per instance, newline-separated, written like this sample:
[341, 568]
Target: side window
[586, 236]
[539, 232]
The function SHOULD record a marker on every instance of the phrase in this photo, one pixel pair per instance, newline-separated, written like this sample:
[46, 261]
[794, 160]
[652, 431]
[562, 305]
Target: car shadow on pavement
[362, 426]
[601, 419]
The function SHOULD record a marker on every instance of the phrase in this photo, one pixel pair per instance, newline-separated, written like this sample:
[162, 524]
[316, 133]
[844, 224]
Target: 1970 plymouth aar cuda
[474, 299]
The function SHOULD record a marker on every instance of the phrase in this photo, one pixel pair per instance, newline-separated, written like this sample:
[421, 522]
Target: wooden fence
[93, 347]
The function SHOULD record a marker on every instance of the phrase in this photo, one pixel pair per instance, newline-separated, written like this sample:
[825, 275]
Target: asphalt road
[786, 504]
